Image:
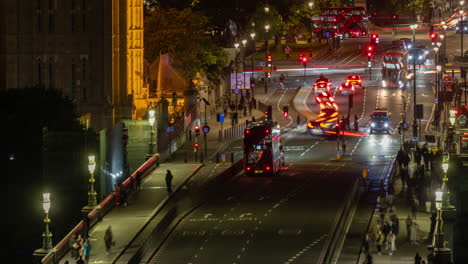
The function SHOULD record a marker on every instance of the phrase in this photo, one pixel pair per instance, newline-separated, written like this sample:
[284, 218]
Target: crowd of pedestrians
[416, 187]
[80, 249]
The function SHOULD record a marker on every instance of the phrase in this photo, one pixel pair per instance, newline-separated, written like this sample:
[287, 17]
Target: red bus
[347, 21]
[263, 155]
[394, 68]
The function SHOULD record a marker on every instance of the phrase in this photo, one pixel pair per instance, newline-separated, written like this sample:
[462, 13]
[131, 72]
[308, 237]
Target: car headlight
[386, 125]
[466, 28]
[372, 124]
[409, 46]
[420, 57]
[457, 28]
[426, 52]
[384, 83]
[410, 57]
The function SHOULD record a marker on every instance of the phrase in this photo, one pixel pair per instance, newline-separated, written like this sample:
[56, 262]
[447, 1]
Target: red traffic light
[433, 36]
[195, 145]
[285, 114]
[395, 17]
[269, 57]
[304, 59]
[370, 48]
[196, 128]
[374, 36]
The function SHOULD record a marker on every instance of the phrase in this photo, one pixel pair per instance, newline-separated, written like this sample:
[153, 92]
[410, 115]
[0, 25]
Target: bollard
[223, 158]
[185, 157]
[338, 154]
[217, 157]
[232, 157]
[201, 157]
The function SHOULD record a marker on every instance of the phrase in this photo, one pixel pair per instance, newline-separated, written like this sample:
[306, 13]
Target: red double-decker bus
[263, 155]
[345, 21]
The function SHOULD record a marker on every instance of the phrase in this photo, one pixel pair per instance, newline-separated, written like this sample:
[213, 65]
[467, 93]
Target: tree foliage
[183, 34]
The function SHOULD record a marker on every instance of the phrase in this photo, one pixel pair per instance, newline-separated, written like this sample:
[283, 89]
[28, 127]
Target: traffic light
[374, 39]
[285, 111]
[269, 60]
[195, 147]
[267, 114]
[395, 17]
[197, 130]
[304, 61]
[370, 52]
[433, 38]
[301, 56]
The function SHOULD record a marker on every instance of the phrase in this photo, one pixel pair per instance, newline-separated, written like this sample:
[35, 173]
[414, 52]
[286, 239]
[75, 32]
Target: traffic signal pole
[415, 124]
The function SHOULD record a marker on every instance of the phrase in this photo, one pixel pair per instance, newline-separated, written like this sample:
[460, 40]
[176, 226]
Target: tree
[182, 34]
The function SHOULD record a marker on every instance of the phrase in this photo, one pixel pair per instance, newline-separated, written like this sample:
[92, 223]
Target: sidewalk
[127, 221]
[363, 223]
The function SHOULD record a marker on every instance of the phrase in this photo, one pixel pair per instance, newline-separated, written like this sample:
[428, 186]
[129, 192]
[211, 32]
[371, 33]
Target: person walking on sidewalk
[169, 181]
[417, 258]
[391, 243]
[86, 250]
[414, 208]
[108, 239]
[138, 180]
[409, 223]
[414, 233]
[366, 244]
[379, 242]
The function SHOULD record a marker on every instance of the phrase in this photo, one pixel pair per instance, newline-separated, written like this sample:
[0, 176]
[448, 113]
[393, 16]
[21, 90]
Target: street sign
[236, 90]
[221, 117]
[240, 80]
[436, 100]
[206, 128]
[170, 129]
[448, 81]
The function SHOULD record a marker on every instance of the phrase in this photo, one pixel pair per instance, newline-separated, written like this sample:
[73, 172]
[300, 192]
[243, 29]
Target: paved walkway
[405, 250]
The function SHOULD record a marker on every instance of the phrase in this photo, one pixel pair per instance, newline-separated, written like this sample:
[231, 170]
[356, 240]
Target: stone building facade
[92, 51]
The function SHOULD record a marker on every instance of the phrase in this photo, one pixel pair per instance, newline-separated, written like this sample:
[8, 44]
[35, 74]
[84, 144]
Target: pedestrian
[86, 226]
[414, 233]
[386, 230]
[379, 242]
[74, 247]
[356, 123]
[169, 181]
[369, 259]
[396, 224]
[86, 250]
[414, 208]
[80, 260]
[138, 180]
[391, 243]
[433, 224]
[417, 258]
[409, 223]
[366, 244]
[117, 194]
[344, 148]
[391, 192]
[123, 195]
[79, 240]
[108, 239]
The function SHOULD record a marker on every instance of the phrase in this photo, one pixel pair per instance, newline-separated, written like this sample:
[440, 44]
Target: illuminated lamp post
[252, 80]
[47, 235]
[92, 201]
[151, 120]
[236, 89]
[311, 4]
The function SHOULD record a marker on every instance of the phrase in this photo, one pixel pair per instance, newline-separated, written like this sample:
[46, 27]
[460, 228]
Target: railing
[97, 214]
[331, 244]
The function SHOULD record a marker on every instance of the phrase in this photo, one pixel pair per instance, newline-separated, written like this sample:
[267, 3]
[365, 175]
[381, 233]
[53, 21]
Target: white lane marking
[311, 147]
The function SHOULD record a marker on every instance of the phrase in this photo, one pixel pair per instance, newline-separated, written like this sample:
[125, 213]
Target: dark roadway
[286, 219]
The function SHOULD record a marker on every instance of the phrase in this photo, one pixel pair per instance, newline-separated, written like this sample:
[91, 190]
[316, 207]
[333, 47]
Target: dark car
[380, 120]
[408, 43]
[417, 56]
[459, 27]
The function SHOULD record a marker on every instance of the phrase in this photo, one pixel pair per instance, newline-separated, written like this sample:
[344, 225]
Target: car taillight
[359, 81]
[248, 168]
[267, 168]
[341, 88]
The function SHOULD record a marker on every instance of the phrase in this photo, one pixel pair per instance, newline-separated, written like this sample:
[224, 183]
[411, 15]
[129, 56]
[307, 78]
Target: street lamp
[267, 51]
[236, 89]
[151, 119]
[436, 49]
[92, 201]
[252, 35]
[461, 27]
[244, 41]
[311, 4]
[267, 9]
[415, 124]
[47, 235]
